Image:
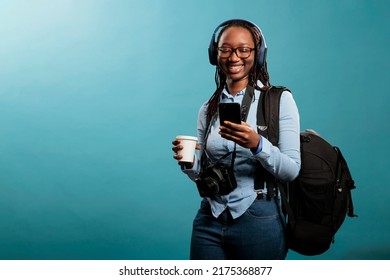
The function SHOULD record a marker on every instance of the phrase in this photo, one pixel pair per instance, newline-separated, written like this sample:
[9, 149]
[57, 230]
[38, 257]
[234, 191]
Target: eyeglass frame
[235, 51]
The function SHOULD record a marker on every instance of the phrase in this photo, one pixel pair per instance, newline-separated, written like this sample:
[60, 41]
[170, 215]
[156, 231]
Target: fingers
[187, 165]
[176, 148]
[233, 129]
[243, 126]
[175, 142]
[242, 134]
[177, 157]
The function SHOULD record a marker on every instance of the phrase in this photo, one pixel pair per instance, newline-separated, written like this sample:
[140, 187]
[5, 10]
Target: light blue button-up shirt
[282, 161]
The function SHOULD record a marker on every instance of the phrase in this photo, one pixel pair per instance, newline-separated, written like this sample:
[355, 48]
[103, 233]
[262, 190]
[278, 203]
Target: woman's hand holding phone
[242, 134]
[232, 128]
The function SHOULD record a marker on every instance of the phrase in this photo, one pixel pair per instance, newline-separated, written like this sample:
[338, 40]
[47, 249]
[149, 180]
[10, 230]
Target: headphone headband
[212, 50]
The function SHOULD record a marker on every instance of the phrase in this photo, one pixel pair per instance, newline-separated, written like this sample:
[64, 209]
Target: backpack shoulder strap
[268, 127]
[268, 113]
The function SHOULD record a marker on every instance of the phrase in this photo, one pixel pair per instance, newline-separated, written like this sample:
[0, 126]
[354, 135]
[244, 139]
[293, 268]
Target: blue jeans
[257, 234]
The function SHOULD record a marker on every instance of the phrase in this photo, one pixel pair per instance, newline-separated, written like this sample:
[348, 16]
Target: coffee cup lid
[185, 137]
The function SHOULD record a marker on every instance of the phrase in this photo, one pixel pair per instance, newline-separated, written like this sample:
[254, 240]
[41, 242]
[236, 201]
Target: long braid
[220, 81]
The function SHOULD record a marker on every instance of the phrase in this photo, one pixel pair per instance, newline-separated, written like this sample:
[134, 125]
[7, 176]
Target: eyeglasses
[240, 52]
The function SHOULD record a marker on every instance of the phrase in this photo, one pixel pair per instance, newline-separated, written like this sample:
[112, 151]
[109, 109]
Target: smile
[235, 68]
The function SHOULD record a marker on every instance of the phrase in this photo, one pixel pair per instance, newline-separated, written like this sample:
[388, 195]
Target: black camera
[216, 179]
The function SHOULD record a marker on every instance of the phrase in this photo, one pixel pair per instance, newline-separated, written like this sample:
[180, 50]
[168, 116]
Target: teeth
[235, 68]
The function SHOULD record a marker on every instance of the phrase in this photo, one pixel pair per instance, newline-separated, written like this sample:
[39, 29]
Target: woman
[238, 221]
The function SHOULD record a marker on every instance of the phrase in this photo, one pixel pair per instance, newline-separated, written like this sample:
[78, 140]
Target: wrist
[258, 148]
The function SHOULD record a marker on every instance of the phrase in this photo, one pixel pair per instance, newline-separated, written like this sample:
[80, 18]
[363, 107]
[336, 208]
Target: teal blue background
[93, 92]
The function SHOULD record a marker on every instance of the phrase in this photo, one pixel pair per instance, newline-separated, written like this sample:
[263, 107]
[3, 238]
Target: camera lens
[211, 184]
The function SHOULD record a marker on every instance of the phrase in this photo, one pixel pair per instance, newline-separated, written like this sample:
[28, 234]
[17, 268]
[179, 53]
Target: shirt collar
[226, 94]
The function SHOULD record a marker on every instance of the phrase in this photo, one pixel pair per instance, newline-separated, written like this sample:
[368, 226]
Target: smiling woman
[238, 217]
[92, 91]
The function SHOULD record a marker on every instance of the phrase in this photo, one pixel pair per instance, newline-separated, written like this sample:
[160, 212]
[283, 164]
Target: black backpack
[317, 201]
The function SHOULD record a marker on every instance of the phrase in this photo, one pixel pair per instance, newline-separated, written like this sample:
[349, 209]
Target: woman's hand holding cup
[184, 148]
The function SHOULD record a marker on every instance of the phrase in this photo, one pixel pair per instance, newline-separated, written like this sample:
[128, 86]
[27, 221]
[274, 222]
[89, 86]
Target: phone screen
[229, 112]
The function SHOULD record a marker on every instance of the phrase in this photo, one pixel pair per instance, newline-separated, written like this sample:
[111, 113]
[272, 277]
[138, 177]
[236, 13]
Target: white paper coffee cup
[189, 145]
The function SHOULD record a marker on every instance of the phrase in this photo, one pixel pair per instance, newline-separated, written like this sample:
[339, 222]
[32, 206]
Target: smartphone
[229, 112]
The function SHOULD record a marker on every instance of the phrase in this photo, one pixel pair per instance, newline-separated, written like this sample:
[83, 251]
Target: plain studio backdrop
[93, 92]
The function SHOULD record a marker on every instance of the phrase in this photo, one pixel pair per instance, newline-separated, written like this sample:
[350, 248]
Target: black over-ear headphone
[262, 48]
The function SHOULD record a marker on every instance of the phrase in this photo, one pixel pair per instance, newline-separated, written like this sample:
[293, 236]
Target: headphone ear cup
[262, 54]
[212, 52]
